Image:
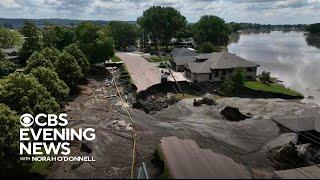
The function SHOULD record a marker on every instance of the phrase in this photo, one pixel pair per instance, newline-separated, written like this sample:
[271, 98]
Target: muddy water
[292, 57]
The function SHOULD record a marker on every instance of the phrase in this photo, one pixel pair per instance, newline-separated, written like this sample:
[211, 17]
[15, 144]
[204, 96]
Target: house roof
[182, 52]
[182, 60]
[185, 159]
[10, 50]
[218, 60]
[199, 67]
[226, 60]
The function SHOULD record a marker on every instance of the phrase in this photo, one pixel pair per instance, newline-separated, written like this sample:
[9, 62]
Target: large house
[180, 57]
[213, 66]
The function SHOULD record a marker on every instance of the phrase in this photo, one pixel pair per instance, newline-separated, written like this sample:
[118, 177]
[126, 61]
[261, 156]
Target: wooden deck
[185, 159]
[310, 172]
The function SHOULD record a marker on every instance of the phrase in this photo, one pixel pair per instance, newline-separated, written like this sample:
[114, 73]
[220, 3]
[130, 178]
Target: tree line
[314, 28]
[160, 24]
[244, 26]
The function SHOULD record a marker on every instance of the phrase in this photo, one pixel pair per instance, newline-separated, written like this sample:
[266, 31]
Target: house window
[250, 69]
[210, 76]
[224, 72]
[216, 73]
[230, 71]
[188, 73]
[195, 77]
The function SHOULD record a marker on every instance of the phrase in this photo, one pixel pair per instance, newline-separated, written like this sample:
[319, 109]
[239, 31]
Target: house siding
[197, 77]
[218, 75]
[179, 68]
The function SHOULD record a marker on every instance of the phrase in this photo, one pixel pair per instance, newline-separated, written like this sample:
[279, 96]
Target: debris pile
[233, 114]
[205, 100]
[286, 157]
[120, 125]
[86, 147]
[156, 102]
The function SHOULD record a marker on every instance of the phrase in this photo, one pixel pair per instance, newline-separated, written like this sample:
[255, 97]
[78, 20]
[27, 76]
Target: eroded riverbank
[245, 141]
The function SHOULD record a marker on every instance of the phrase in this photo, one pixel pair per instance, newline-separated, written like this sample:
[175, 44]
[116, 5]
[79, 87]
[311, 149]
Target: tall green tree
[186, 32]
[211, 29]
[2, 55]
[64, 37]
[9, 139]
[94, 42]
[24, 94]
[234, 27]
[68, 70]
[314, 28]
[10, 38]
[104, 47]
[38, 60]
[6, 67]
[162, 23]
[123, 33]
[50, 80]
[82, 60]
[87, 32]
[51, 54]
[32, 41]
[49, 36]
[206, 47]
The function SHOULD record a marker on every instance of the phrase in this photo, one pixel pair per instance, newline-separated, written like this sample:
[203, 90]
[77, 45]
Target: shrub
[206, 47]
[265, 77]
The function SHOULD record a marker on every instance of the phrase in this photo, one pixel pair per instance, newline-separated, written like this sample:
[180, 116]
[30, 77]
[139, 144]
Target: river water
[292, 57]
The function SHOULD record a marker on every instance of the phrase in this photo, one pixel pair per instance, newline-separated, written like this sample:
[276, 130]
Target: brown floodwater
[292, 57]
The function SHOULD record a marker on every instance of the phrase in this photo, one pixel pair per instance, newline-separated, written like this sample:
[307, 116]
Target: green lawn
[160, 58]
[41, 167]
[275, 88]
[186, 96]
[115, 59]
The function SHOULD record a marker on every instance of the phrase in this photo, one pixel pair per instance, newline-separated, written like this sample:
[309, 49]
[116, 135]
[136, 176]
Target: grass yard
[41, 167]
[115, 59]
[274, 88]
[160, 58]
[186, 96]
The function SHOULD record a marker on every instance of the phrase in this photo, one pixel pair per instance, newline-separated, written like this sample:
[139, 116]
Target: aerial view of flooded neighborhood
[148, 89]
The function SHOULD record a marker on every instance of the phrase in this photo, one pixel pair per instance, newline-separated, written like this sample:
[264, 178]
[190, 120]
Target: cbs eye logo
[26, 120]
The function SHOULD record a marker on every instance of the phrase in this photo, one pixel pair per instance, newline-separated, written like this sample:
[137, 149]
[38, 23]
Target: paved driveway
[144, 74]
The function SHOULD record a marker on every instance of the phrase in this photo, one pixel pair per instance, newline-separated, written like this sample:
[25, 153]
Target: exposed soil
[245, 141]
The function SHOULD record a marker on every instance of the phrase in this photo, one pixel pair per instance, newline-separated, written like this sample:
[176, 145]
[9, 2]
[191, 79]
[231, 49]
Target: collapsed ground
[246, 141]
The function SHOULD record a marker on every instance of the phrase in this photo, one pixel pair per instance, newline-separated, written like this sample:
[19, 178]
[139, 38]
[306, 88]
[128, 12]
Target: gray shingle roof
[199, 67]
[182, 52]
[226, 60]
[182, 60]
[218, 60]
